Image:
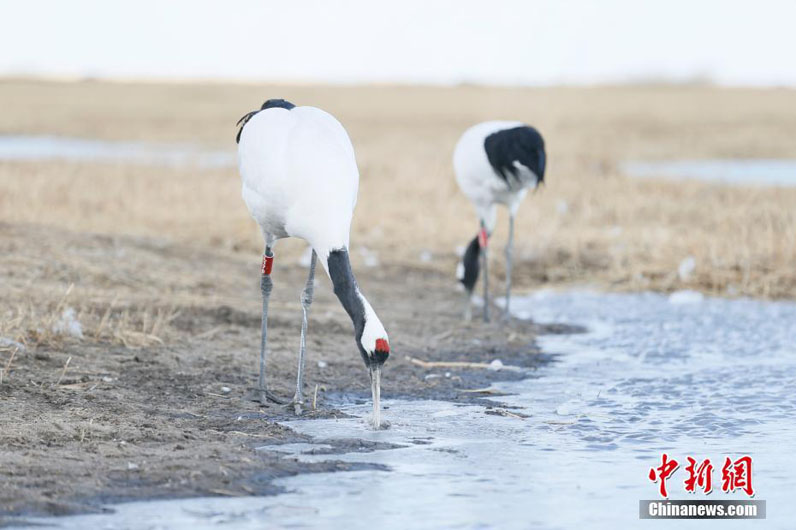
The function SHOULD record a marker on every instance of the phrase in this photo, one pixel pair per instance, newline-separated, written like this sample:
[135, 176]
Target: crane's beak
[375, 389]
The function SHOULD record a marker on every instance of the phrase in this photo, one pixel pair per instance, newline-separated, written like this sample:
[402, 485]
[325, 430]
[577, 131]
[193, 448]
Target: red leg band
[483, 238]
[268, 263]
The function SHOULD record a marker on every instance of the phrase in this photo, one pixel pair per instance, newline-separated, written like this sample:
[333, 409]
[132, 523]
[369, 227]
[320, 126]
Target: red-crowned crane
[495, 163]
[300, 179]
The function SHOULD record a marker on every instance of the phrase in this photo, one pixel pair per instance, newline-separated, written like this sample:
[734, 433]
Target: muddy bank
[90, 421]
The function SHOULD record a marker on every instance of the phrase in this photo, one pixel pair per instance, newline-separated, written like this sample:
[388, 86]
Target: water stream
[686, 375]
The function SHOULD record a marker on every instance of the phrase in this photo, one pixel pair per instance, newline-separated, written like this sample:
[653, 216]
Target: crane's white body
[478, 180]
[300, 176]
[495, 162]
[300, 179]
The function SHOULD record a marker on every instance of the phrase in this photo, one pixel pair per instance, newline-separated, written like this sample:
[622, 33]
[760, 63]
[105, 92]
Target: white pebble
[686, 268]
[68, 324]
[225, 390]
[496, 365]
[322, 364]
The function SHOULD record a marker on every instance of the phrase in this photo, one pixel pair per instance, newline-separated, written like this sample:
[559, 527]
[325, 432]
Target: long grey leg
[266, 285]
[306, 301]
[468, 308]
[509, 255]
[484, 262]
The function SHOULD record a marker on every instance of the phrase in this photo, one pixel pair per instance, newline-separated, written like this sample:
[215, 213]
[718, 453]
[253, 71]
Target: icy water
[31, 148]
[760, 172]
[686, 375]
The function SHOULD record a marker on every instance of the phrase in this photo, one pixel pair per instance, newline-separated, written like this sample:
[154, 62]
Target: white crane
[300, 179]
[495, 163]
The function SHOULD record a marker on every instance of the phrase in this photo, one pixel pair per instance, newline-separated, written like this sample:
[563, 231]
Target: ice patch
[756, 172]
[686, 296]
[5, 342]
[68, 324]
[101, 151]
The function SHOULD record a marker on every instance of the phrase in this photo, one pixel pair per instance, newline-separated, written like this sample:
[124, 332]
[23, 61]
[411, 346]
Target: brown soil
[176, 419]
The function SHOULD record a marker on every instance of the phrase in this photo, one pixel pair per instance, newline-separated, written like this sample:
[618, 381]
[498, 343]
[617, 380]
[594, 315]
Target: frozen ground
[37, 148]
[762, 172]
[686, 375]
[759, 172]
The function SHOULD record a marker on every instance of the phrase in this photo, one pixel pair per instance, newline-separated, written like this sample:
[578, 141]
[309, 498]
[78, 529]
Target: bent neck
[346, 288]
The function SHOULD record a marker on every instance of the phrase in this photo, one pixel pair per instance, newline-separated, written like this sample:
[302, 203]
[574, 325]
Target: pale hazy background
[530, 42]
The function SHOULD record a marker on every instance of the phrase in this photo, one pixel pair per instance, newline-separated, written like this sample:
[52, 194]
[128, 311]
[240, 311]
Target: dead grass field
[589, 224]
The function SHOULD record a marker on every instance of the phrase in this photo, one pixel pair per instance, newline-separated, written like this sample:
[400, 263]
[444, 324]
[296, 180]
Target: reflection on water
[33, 148]
[760, 172]
[702, 378]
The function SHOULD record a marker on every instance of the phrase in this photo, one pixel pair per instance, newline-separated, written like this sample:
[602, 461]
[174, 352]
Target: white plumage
[495, 162]
[476, 177]
[300, 179]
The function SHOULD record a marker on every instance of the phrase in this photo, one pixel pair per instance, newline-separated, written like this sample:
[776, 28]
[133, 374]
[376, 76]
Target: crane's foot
[264, 397]
[295, 404]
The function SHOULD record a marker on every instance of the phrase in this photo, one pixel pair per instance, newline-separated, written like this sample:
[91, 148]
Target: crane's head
[369, 333]
[374, 346]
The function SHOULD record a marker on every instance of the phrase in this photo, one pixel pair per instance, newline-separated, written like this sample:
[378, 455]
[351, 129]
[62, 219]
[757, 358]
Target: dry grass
[589, 224]
[39, 322]
[61, 288]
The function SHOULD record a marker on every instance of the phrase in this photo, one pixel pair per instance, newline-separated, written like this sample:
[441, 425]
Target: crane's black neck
[346, 288]
[471, 265]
